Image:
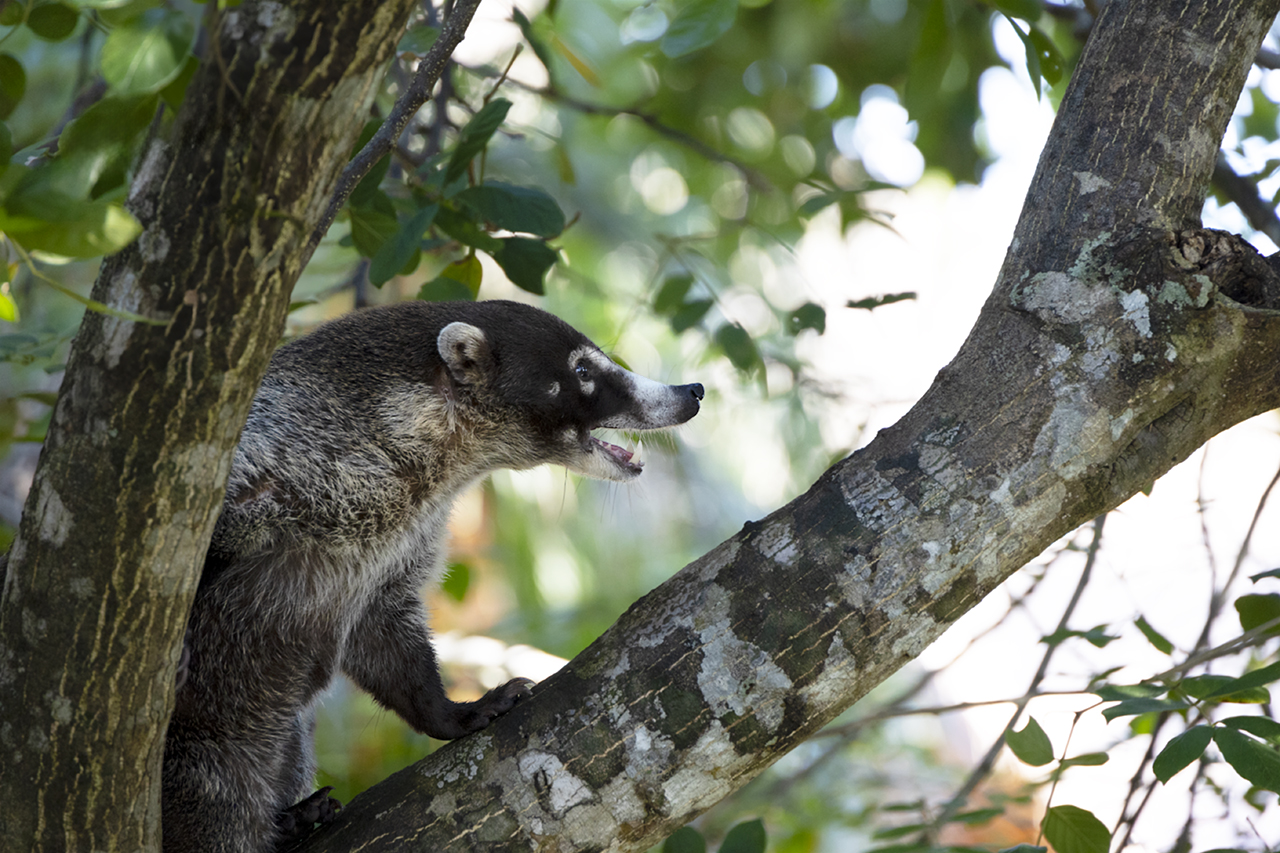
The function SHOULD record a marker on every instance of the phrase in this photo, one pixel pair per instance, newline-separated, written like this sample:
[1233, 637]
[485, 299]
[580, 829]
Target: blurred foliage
[647, 169]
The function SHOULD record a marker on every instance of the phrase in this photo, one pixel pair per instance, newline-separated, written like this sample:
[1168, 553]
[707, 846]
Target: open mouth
[628, 460]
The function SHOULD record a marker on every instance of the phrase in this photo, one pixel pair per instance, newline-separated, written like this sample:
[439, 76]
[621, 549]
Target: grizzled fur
[358, 441]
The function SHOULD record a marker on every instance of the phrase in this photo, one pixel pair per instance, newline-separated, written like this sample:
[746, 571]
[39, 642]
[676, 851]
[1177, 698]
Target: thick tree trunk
[105, 565]
[1118, 339]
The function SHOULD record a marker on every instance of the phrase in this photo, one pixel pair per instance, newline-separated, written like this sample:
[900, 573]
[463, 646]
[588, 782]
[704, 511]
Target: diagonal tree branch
[1118, 338]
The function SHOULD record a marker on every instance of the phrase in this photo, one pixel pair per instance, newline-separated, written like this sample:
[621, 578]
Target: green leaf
[1153, 636]
[53, 21]
[370, 183]
[418, 40]
[444, 289]
[1144, 724]
[1027, 10]
[1181, 751]
[672, 293]
[1086, 759]
[456, 581]
[373, 225]
[1031, 745]
[11, 14]
[146, 54]
[690, 314]
[95, 150]
[1224, 688]
[1263, 727]
[403, 247]
[1049, 57]
[1070, 829]
[525, 262]
[6, 153]
[527, 210]
[872, 302]
[1096, 636]
[1255, 762]
[468, 272]
[100, 229]
[817, 203]
[686, 839]
[13, 84]
[899, 831]
[977, 816]
[930, 59]
[115, 13]
[1120, 692]
[1257, 610]
[1250, 681]
[738, 346]
[746, 837]
[475, 136]
[807, 316]
[1025, 848]
[460, 225]
[8, 308]
[1141, 706]
[175, 90]
[697, 24]
[1270, 573]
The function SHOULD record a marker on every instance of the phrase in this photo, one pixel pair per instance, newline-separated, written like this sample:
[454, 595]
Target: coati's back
[361, 436]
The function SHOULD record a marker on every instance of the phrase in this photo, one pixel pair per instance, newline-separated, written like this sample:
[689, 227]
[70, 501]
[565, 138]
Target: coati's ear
[466, 352]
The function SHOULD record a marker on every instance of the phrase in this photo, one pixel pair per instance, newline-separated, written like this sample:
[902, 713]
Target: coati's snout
[607, 395]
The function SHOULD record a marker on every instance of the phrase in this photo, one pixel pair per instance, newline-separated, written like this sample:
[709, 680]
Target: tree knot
[1226, 262]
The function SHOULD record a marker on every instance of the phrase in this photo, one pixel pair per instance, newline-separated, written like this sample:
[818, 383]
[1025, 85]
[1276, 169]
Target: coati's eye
[583, 372]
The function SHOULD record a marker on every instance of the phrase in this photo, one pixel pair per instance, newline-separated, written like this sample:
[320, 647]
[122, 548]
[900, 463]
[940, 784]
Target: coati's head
[552, 386]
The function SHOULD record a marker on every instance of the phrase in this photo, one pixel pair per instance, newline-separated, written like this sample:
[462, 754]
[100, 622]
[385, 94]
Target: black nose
[695, 389]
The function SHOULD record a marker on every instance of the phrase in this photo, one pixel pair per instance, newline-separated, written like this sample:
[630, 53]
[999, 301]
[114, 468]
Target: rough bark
[113, 536]
[1118, 338]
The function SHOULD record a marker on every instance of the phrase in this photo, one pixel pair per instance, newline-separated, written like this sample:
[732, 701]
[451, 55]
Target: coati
[362, 434]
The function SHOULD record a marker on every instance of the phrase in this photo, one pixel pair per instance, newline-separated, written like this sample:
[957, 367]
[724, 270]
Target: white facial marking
[554, 390]
[657, 405]
[585, 362]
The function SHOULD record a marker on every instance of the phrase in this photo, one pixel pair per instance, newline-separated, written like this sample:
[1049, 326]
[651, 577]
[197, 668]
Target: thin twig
[988, 761]
[894, 711]
[1218, 599]
[1261, 215]
[697, 146]
[430, 68]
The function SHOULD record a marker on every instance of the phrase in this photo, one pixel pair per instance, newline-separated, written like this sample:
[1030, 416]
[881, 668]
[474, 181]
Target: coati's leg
[298, 770]
[235, 762]
[389, 654]
[209, 807]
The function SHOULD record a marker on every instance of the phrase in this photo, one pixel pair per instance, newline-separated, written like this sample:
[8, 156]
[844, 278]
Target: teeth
[637, 455]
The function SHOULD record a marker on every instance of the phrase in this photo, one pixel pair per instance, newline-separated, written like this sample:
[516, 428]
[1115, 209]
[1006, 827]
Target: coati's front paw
[300, 818]
[474, 716]
[502, 699]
